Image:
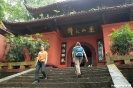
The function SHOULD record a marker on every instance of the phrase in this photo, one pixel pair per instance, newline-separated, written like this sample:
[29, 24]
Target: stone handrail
[117, 77]
[110, 60]
[21, 64]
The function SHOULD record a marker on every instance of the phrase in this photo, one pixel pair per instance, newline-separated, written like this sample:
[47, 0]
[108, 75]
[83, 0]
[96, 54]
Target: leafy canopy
[19, 45]
[121, 40]
[15, 11]
[2, 5]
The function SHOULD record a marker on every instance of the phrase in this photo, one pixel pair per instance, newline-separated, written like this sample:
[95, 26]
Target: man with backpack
[77, 55]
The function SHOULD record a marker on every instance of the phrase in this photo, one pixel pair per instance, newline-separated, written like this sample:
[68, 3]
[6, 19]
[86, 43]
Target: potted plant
[121, 41]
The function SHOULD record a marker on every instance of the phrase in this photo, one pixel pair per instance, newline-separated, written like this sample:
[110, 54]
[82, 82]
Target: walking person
[77, 55]
[41, 62]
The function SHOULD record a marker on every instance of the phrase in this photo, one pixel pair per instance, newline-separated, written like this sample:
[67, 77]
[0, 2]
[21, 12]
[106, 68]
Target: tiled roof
[85, 13]
[3, 32]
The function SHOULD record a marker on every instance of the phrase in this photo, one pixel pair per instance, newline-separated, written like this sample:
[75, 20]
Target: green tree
[19, 45]
[121, 41]
[39, 3]
[15, 11]
[2, 5]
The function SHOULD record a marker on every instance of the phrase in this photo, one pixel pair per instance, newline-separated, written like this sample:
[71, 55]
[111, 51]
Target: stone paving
[92, 77]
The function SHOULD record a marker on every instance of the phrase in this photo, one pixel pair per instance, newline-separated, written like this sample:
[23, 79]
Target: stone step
[127, 71]
[73, 73]
[89, 79]
[130, 80]
[128, 75]
[73, 68]
[92, 77]
[125, 66]
[56, 70]
[70, 72]
[94, 67]
[62, 76]
[65, 75]
[58, 85]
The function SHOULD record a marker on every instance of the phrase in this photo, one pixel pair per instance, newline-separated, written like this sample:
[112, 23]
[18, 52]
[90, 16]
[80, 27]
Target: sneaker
[35, 82]
[45, 78]
[79, 76]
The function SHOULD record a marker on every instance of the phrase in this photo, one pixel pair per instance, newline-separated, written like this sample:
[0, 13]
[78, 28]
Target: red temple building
[86, 21]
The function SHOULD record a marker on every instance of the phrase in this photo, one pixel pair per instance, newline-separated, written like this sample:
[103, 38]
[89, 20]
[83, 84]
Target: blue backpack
[79, 52]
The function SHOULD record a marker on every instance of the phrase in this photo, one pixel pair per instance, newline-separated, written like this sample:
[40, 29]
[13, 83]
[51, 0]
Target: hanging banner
[100, 50]
[63, 53]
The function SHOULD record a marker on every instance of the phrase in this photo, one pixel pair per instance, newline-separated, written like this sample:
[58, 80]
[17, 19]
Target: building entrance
[90, 52]
[89, 56]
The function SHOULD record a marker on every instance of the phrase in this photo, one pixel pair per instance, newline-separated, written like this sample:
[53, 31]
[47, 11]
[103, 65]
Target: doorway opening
[89, 55]
[90, 52]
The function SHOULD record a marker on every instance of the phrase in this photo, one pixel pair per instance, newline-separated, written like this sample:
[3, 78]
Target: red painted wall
[2, 48]
[54, 51]
[92, 40]
[107, 29]
[55, 40]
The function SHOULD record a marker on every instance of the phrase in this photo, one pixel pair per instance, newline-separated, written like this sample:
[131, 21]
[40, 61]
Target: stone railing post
[35, 61]
[22, 67]
[0, 67]
[108, 58]
[10, 66]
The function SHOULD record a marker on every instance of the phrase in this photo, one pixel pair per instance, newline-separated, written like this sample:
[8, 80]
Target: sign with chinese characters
[100, 50]
[63, 53]
[79, 30]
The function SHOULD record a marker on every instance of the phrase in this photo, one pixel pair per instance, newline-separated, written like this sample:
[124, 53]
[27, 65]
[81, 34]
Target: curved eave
[3, 32]
[53, 6]
[57, 18]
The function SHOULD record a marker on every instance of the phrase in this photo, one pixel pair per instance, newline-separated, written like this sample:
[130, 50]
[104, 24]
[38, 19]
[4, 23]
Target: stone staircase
[92, 77]
[127, 71]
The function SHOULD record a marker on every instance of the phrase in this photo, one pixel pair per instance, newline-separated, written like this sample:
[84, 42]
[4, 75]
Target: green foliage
[121, 41]
[15, 55]
[15, 11]
[41, 15]
[47, 16]
[40, 3]
[72, 12]
[2, 5]
[0, 25]
[56, 11]
[92, 9]
[34, 46]
[19, 45]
